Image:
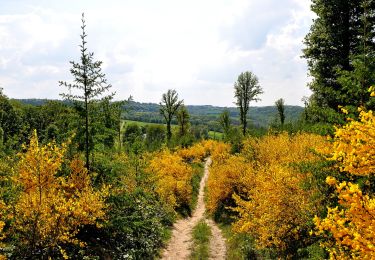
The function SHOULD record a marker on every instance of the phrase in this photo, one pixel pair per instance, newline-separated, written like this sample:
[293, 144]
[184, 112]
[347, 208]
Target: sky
[197, 47]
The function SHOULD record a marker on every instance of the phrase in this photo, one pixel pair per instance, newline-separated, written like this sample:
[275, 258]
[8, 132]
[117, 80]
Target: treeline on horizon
[207, 115]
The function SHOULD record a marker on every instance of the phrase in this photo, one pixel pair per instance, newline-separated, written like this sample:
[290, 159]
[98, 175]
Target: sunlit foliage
[274, 208]
[354, 145]
[225, 179]
[51, 208]
[352, 224]
[172, 177]
[349, 228]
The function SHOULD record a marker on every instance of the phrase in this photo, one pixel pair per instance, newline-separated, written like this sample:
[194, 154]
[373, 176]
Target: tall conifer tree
[88, 88]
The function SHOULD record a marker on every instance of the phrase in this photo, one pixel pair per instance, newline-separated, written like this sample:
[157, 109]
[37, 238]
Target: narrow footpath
[181, 243]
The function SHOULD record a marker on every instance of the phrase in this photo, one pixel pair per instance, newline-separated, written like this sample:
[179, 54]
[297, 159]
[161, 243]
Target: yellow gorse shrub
[225, 179]
[354, 145]
[273, 207]
[349, 229]
[201, 150]
[172, 176]
[51, 209]
[352, 225]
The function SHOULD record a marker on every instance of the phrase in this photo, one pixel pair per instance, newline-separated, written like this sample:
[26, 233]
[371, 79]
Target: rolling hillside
[199, 114]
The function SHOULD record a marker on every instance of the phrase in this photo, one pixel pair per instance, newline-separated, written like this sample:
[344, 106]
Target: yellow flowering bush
[197, 152]
[354, 145]
[50, 209]
[349, 228]
[173, 178]
[352, 224]
[273, 207]
[224, 180]
[282, 148]
[3, 217]
[201, 150]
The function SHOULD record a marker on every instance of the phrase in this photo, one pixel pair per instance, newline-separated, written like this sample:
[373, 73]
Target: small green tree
[168, 107]
[224, 121]
[155, 136]
[281, 109]
[246, 89]
[183, 120]
[90, 84]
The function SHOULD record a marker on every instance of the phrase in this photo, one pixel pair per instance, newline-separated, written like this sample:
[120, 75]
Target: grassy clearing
[211, 134]
[139, 123]
[215, 135]
[201, 240]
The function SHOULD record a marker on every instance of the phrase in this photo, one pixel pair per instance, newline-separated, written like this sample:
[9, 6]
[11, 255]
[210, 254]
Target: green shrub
[138, 225]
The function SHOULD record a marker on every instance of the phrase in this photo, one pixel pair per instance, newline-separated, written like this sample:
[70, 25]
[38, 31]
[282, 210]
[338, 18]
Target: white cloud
[196, 47]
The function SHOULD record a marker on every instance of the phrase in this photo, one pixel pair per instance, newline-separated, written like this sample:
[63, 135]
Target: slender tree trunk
[87, 131]
[119, 135]
[169, 133]
[244, 125]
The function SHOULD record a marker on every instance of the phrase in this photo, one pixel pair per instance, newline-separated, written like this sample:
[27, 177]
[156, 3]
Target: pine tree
[90, 84]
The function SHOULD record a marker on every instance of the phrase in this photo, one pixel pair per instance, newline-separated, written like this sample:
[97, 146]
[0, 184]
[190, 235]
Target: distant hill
[199, 114]
[208, 115]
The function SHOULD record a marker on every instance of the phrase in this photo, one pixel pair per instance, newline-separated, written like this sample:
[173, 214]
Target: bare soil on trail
[180, 245]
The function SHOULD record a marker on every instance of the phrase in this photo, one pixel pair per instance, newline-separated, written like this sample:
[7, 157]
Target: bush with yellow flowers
[348, 230]
[273, 207]
[225, 179]
[172, 178]
[50, 209]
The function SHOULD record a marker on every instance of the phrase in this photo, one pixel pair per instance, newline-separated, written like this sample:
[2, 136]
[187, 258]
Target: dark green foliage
[235, 138]
[225, 122]
[136, 229]
[341, 33]
[246, 89]
[355, 83]
[281, 110]
[1, 137]
[52, 132]
[155, 136]
[10, 118]
[199, 132]
[239, 246]
[183, 120]
[168, 108]
[132, 132]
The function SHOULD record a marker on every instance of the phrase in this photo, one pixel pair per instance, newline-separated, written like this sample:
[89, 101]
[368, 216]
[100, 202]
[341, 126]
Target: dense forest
[283, 182]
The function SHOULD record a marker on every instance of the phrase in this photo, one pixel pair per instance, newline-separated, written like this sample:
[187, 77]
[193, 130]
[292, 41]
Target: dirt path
[180, 244]
[217, 243]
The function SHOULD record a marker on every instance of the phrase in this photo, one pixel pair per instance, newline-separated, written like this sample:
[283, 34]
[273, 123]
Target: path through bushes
[180, 244]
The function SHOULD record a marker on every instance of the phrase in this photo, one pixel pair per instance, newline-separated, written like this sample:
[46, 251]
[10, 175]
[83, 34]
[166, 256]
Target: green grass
[215, 135]
[211, 134]
[139, 123]
[239, 246]
[201, 239]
